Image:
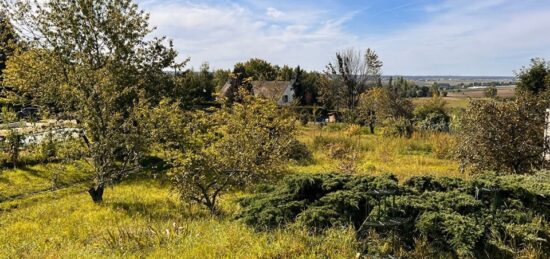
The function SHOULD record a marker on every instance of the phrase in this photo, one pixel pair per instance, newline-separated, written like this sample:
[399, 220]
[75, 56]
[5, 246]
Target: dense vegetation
[496, 216]
[95, 102]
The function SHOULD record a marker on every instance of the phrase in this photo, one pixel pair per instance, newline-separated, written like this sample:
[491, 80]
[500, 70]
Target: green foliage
[534, 79]
[451, 231]
[491, 92]
[193, 88]
[432, 116]
[299, 152]
[212, 152]
[91, 60]
[379, 104]
[503, 136]
[398, 127]
[8, 40]
[500, 215]
[257, 69]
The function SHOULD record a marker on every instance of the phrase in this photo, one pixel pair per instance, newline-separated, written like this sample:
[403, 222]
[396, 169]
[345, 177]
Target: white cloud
[467, 37]
[274, 13]
[489, 38]
[225, 34]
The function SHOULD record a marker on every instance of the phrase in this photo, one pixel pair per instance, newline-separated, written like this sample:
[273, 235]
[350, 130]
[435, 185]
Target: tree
[435, 90]
[286, 73]
[8, 40]
[536, 78]
[194, 88]
[221, 77]
[93, 56]
[225, 148]
[355, 71]
[491, 92]
[503, 136]
[378, 104]
[258, 69]
[432, 115]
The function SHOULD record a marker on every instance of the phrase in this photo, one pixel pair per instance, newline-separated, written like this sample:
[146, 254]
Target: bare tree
[356, 71]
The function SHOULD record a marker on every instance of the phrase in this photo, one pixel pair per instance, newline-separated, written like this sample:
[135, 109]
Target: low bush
[398, 127]
[500, 215]
[299, 152]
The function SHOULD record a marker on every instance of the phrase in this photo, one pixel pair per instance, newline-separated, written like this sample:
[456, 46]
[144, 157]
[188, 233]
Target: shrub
[299, 152]
[399, 127]
[503, 136]
[452, 215]
[432, 116]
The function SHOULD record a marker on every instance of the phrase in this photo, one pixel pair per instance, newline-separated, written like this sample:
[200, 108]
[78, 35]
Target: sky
[412, 37]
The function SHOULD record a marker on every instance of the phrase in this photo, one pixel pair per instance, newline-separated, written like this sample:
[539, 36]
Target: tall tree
[536, 78]
[194, 88]
[258, 69]
[355, 71]
[286, 73]
[93, 56]
[8, 40]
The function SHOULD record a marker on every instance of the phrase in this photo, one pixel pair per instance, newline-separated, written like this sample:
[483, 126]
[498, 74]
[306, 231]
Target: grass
[41, 177]
[405, 157]
[142, 218]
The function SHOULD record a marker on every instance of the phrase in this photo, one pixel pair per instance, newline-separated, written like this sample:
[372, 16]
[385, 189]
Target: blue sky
[415, 37]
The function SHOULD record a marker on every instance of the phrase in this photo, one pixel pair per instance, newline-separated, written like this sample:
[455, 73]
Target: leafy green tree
[257, 69]
[194, 88]
[503, 136]
[536, 78]
[355, 72]
[221, 77]
[286, 73]
[379, 104]
[491, 92]
[8, 40]
[435, 90]
[212, 152]
[90, 59]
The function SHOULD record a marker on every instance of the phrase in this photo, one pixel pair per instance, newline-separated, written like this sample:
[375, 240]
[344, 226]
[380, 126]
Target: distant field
[480, 92]
[460, 99]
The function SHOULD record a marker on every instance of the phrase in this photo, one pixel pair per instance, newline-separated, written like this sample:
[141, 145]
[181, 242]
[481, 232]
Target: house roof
[270, 89]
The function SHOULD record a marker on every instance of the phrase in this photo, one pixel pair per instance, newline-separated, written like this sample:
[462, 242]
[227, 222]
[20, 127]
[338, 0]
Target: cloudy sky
[412, 37]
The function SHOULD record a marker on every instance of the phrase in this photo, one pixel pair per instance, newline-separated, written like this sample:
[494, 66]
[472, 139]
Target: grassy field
[142, 218]
[459, 100]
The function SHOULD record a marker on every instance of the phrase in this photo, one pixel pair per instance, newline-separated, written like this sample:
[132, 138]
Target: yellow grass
[142, 218]
[418, 155]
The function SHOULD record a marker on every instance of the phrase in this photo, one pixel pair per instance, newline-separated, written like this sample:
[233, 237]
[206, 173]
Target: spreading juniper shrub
[488, 216]
[317, 200]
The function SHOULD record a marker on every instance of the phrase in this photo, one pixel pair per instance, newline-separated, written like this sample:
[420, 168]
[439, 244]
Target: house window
[285, 98]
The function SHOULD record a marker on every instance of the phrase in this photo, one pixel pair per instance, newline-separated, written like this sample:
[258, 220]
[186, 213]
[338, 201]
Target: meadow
[142, 218]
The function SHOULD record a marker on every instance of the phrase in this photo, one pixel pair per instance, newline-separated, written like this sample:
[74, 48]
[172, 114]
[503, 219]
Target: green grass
[30, 179]
[142, 218]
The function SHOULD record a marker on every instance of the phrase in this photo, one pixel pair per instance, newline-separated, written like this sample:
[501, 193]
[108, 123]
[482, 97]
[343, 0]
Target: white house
[281, 92]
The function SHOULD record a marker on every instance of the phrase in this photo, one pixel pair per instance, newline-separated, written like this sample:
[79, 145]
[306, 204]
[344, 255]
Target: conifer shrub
[497, 215]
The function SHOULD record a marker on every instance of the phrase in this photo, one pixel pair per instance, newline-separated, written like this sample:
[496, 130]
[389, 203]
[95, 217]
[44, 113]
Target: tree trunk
[371, 127]
[96, 193]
